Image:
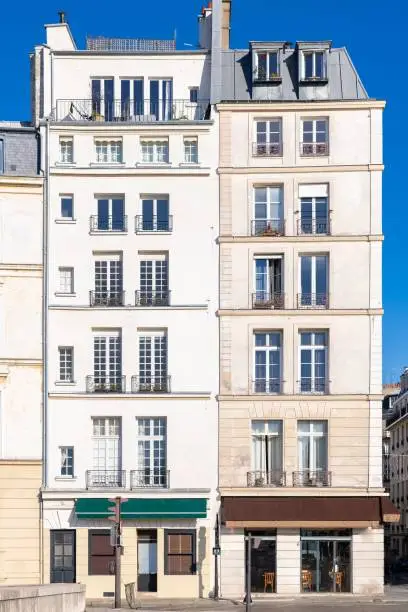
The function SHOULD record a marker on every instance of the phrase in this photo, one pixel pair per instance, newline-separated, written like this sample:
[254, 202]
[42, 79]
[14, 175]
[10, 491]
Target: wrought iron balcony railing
[101, 479]
[267, 385]
[108, 224]
[314, 226]
[106, 384]
[270, 478]
[314, 149]
[268, 227]
[312, 478]
[151, 384]
[106, 298]
[268, 301]
[267, 149]
[150, 478]
[313, 300]
[145, 297]
[311, 386]
[134, 111]
[153, 224]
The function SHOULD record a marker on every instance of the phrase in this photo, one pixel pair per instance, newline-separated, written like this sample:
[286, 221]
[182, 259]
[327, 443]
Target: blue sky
[372, 30]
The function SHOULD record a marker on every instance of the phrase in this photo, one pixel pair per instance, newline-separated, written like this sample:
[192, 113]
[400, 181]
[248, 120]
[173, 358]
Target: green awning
[143, 508]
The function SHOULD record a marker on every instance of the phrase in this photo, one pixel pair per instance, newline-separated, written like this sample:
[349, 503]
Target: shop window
[101, 555]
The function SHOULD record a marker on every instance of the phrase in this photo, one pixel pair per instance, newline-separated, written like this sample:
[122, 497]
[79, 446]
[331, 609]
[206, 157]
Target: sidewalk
[394, 594]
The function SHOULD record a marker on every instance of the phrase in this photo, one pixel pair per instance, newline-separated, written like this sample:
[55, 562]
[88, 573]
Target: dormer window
[314, 65]
[267, 66]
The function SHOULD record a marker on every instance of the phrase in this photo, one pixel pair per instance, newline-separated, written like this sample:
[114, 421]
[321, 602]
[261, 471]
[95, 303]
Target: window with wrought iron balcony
[314, 271]
[108, 282]
[110, 216]
[313, 456]
[155, 217]
[267, 455]
[153, 355]
[268, 218]
[315, 137]
[267, 362]
[313, 348]
[268, 294]
[314, 211]
[154, 281]
[268, 138]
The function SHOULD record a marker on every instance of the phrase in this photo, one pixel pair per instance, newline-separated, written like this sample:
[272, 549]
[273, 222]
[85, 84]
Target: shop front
[301, 545]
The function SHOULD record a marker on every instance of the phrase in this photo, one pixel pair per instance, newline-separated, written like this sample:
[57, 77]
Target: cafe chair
[269, 580]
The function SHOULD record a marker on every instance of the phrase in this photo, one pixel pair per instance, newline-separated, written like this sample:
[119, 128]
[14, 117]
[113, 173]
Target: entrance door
[147, 560]
[326, 565]
[62, 556]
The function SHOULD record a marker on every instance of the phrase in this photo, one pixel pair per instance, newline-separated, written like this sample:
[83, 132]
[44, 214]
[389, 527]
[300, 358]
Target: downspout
[370, 322]
[45, 307]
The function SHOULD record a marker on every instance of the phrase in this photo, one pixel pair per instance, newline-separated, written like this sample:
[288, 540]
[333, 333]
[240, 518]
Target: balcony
[313, 227]
[107, 298]
[262, 300]
[267, 149]
[140, 111]
[152, 298]
[268, 227]
[150, 479]
[265, 385]
[105, 479]
[103, 225]
[271, 478]
[313, 300]
[312, 478]
[151, 384]
[154, 224]
[313, 386]
[314, 149]
[104, 384]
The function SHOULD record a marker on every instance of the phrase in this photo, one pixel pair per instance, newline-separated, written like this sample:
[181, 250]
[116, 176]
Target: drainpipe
[45, 307]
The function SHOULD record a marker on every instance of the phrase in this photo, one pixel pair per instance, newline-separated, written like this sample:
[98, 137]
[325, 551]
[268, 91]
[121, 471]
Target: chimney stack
[226, 24]
[205, 26]
[61, 15]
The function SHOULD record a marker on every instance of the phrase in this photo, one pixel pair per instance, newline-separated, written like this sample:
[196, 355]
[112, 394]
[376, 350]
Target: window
[132, 98]
[267, 361]
[314, 209]
[153, 362]
[107, 363]
[314, 270]
[108, 151]
[180, 552]
[268, 208]
[154, 280]
[66, 150]
[266, 453]
[155, 215]
[67, 207]
[312, 452]
[161, 99]
[67, 460]
[155, 151]
[108, 280]
[315, 137]
[107, 453]
[194, 94]
[66, 280]
[62, 562]
[191, 150]
[103, 105]
[66, 363]
[314, 66]
[268, 282]
[313, 361]
[151, 445]
[2, 156]
[111, 215]
[101, 554]
[267, 66]
[268, 137]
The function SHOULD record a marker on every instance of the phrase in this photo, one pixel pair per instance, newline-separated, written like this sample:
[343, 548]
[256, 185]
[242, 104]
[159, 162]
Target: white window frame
[149, 372]
[190, 150]
[154, 151]
[108, 151]
[311, 435]
[314, 148]
[316, 223]
[273, 428]
[67, 463]
[66, 196]
[107, 437]
[148, 471]
[105, 367]
[268, 148]
[313, 53]
[66, 364]
[267, 348]
[268, 76]
[313, 347]
[66, 150]
[319, 302]
[66, 280]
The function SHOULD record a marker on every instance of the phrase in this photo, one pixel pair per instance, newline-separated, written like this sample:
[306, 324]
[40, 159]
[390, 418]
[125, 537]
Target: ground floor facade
[166, 545]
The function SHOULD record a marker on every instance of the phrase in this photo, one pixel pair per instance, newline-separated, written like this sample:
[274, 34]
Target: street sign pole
[216, 552]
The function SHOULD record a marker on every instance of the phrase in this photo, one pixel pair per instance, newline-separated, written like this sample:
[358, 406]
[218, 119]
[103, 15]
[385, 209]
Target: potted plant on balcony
[259, 481]
[269, 230]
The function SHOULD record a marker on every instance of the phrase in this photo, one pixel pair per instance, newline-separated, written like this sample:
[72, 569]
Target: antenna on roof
[62, 15]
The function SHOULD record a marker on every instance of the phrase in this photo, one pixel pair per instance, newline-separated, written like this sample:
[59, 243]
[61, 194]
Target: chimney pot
[61, 15]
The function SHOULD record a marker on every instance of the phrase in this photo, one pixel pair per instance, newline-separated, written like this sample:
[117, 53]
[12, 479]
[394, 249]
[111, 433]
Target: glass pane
[260, 339]
[103, 214]
[306, 338]
[273, 65]
[321, 275]
[320, 339]
[308, 65]
[263, 565]
[319, 65]
[262, 59]
[309, 565]
[306, 275]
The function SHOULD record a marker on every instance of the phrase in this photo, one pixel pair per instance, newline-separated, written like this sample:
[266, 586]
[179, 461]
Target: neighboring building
[390, 393]
[397, 428]
[300, 462]
[21, 191]
[130, 159]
